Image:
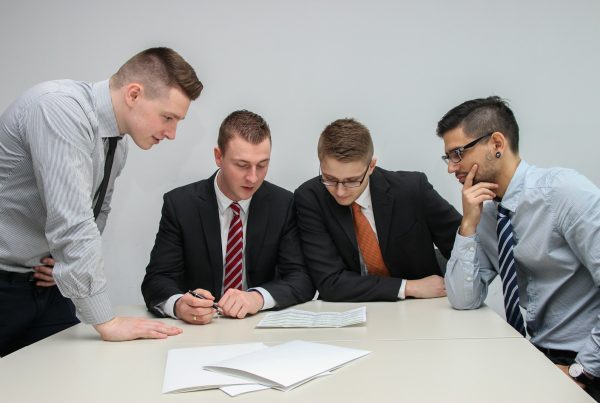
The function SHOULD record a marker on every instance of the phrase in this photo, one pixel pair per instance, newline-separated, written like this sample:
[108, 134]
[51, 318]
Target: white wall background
[397, 66]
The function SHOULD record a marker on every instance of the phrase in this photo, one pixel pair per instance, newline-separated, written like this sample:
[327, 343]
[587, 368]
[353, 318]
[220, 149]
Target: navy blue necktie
[508, 270]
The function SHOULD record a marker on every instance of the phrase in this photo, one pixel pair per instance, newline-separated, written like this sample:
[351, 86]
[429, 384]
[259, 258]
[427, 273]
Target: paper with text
[298, 318]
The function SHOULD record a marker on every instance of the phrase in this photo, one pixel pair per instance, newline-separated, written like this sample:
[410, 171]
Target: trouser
[29, 313]
[566, 357]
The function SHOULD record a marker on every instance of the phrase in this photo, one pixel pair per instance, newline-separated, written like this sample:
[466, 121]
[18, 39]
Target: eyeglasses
[456, 155]
[346, 184]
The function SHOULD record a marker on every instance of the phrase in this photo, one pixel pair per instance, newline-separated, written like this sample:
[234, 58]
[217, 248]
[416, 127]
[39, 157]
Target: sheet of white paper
[184, 372]
[298, 318]
[287, 365]
[237, 390]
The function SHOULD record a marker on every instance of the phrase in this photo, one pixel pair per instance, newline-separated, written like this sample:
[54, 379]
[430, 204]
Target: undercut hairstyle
[346, 140]
[481, 116]
[245, 124]
[159, 69]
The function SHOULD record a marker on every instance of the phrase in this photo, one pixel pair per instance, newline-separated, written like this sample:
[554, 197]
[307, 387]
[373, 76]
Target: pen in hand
[214, 305]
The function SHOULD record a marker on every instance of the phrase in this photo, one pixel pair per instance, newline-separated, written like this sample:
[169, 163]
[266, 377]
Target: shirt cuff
[95, 309]
[465, 247]
[168, 307]
[402, 292]
[268, 301]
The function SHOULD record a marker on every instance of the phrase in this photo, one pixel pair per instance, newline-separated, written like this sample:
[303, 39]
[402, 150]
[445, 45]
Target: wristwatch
[577, 372]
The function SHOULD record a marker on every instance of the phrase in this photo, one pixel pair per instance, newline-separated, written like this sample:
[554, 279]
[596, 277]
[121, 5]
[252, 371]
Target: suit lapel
[256, 228]
[209, 213]
[383, 204]
[343, 216]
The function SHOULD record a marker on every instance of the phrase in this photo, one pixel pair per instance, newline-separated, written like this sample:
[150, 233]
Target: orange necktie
[367, 242]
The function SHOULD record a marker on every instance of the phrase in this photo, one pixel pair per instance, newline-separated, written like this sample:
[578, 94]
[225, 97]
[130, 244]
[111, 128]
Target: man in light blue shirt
[555, 218]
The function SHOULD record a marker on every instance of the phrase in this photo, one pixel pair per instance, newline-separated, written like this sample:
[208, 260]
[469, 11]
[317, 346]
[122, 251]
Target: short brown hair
[248, 125]
[346, 140]
[157, 69]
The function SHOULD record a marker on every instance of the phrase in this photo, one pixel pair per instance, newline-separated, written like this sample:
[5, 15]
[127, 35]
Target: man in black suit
[231, 238]
[368, 234]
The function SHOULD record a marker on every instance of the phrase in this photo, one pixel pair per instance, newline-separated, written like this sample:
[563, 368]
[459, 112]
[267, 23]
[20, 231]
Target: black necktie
[110, 156]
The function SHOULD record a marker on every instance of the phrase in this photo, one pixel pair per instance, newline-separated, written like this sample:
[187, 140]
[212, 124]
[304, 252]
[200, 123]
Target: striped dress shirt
[51, 165]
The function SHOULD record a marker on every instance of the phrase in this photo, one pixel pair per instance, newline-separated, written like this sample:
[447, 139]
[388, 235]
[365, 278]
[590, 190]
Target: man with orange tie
[368, 234]
[230, 239]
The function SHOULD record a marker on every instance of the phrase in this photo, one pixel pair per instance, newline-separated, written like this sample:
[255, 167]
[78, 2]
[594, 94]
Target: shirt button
[469, 278]
[471, 249]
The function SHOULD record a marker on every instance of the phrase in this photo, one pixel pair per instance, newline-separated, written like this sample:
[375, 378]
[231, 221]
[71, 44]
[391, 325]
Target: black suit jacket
[410, 217]
[187, 253]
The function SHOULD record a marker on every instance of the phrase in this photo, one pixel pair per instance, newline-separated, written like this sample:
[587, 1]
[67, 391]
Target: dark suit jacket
[187, 253]
[410, 217]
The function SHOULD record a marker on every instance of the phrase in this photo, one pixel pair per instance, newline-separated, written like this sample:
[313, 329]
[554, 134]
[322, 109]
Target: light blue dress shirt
[555, 215]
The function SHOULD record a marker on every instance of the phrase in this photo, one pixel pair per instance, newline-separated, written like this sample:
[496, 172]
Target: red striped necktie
[235, 247]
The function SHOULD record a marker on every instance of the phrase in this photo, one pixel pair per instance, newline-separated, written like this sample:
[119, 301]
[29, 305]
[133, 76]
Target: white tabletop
[422, 351]
[404, 320]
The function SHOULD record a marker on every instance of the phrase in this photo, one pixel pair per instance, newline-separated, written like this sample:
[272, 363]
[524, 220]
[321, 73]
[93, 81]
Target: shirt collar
[224, 202]
[364, 200]
[107, 122]
[510, 201]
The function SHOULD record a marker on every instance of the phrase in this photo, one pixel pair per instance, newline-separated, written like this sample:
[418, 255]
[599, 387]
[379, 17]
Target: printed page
[184, 372]
[298, 318]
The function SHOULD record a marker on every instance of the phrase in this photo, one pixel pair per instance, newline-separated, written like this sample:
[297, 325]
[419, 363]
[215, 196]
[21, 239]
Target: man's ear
[133, 93]
[218, 156]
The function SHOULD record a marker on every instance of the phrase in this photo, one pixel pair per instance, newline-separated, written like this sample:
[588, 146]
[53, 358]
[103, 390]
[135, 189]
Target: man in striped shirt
[54, 142]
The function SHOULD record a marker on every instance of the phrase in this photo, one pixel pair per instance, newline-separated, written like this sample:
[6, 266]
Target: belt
[13, 276]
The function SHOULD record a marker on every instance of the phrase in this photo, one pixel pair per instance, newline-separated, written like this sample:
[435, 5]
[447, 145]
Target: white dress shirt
[225, 216]
[366, 207]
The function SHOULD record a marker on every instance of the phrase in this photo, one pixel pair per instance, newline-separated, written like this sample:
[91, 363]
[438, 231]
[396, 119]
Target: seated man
[538, 228]
[231, 237]
[368, 234]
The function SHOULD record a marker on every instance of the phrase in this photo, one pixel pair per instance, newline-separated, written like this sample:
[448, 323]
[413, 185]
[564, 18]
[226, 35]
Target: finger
[45, 283]
[48, 261]
[194, 302]
[165, 329]
[43, 270]
[469, 179]
[205, 293]
[242, 312]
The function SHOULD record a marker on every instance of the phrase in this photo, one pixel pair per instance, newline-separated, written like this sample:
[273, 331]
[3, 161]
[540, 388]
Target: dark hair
[480, 116]
[158, 69]
[248, 125]
[346, 140]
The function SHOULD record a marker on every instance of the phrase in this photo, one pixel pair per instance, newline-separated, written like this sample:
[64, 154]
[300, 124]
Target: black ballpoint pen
[214, 305]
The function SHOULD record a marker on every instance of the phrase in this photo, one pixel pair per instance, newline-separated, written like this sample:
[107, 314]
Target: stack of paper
[298, 318]
[240, 368]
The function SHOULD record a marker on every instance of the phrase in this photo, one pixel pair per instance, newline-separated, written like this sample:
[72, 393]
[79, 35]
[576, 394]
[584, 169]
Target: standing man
[538, 228]
[59, 156]
[231, 238]
[368, 234]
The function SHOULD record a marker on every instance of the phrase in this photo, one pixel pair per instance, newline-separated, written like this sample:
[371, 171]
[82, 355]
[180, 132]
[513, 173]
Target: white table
[422, 351]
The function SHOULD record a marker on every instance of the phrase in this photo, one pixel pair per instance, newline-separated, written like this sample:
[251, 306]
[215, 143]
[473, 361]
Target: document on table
[287, 365]
[298, 318]
[184, 372]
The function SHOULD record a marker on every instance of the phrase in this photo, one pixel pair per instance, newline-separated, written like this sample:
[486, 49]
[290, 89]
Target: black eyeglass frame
[346, 184]
[456, 155]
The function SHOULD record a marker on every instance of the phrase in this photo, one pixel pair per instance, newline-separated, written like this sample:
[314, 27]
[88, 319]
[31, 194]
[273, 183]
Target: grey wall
[397, 66]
